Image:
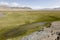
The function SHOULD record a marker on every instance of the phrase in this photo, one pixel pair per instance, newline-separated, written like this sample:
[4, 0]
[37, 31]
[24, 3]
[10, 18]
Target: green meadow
[15, 24]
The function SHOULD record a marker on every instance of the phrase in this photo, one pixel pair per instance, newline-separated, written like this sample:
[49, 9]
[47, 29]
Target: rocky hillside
[52, 33]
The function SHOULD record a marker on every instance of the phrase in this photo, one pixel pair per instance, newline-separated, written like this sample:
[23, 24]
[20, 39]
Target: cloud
[4, 3]
[13, 4]
[53, 4]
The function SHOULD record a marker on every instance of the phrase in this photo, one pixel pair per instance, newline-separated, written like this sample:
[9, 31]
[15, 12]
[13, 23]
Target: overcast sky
[35, 4]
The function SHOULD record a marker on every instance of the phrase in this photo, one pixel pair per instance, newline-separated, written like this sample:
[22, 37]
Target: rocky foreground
[52, 33]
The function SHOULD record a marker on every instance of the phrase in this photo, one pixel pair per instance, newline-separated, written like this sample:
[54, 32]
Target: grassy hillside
[14, 19]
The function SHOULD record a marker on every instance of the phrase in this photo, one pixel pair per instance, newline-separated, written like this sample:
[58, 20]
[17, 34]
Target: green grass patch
[13, 21]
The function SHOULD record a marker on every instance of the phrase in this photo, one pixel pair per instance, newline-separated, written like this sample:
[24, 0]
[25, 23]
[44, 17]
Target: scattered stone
[52, 33]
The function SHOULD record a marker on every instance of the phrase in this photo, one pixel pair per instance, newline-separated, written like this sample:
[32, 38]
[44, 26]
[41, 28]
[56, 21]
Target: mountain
[18, 8]
[57, 8]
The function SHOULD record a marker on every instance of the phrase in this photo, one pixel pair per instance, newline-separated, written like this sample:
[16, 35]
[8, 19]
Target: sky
[35, 4]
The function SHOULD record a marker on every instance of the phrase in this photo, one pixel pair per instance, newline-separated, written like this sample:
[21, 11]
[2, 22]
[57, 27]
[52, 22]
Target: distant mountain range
[58, 8]
[2, 7]
[9, 7]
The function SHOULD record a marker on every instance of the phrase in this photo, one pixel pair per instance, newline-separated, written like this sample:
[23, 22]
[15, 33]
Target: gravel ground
[46, 34]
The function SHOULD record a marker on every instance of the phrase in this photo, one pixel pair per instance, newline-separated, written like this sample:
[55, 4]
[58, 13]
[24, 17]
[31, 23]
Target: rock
[58, 37]
[55, 27]
[37, 36]
[42, 35]
[51, 33]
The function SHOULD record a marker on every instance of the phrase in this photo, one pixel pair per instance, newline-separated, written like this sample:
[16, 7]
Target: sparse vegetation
[23, 22]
